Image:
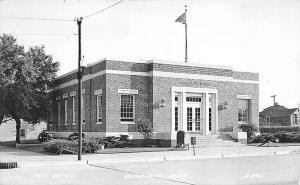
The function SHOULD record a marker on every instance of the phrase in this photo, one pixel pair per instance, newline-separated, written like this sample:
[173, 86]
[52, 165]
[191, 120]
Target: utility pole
[79, 77]
[274, 96]
[185, 25]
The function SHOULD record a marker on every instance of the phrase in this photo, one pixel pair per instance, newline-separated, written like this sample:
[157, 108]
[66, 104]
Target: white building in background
[28, 131]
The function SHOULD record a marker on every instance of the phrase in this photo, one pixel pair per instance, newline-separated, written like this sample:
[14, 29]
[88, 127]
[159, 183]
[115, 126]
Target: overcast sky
[249, 35]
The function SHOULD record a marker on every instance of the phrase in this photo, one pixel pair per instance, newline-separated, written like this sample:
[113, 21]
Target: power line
[62, 20]
[47, 34]
[38, 19]
[102, 10]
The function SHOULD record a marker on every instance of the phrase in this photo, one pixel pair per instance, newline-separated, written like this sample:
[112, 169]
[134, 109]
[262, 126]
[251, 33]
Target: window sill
[98, 123]
[73, 123]
[58, 124]
[66, 124]
[127, 122]
[242, 122]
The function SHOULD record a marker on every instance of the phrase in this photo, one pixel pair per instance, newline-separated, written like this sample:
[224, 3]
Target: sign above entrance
[128, 91]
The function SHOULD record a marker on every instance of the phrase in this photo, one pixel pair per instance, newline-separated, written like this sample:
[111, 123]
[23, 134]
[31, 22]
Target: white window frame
[128, 122]
[66, 111]
[97, 108]
[247, 112]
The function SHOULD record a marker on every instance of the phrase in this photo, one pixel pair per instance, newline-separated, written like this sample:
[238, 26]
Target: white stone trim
[156, 74]
[82, 91]
[98, 92]
[65, 96]
[193, 90]
[244, 97]
[108, 71]
[205, 91]
[127, 123]
[128, 91]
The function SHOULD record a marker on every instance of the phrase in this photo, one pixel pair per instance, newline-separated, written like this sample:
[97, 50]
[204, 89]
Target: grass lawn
[39, 148]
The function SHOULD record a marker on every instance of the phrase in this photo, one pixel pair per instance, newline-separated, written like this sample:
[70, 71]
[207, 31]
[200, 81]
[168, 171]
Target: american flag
[181, 18]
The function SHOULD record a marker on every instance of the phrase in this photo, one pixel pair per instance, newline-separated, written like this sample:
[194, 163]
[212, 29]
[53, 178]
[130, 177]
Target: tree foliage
[24, 76]
[145, 127]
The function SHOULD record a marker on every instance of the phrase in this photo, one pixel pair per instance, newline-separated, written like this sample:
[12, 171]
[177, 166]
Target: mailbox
[193, 140]
[180, 138]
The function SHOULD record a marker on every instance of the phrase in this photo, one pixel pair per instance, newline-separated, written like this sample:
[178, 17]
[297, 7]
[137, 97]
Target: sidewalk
[29, 159]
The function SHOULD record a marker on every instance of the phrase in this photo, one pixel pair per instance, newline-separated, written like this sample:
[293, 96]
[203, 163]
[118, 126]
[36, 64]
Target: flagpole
[186, 59]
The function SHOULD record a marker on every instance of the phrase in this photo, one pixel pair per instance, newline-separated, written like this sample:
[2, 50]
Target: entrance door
[194, 118]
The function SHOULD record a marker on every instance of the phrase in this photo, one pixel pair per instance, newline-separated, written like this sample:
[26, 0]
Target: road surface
[283, 169]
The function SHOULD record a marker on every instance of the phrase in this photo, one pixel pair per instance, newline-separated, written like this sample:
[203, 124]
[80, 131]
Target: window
[176, 118]
[58, 112]
[243, 110]
[197, 118]
[176, 98]
[127, 108]
[66, 111]
[193, 99]
[189, 119]
[295, 119]
[99, 108]
[82, 109]
[73, 111]
[22, 132]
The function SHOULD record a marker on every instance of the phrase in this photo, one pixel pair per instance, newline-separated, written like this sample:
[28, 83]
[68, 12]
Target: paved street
[281, 169]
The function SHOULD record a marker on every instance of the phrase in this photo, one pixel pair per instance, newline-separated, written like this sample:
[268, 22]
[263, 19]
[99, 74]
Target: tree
[24, 76]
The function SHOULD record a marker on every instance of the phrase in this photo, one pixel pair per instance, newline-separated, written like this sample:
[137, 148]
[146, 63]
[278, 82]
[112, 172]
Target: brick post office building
[195, 98]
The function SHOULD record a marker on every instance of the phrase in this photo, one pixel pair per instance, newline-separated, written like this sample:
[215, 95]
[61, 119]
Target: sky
[249, 35]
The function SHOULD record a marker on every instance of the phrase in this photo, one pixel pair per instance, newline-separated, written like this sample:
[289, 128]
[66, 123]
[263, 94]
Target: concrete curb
[24, 164]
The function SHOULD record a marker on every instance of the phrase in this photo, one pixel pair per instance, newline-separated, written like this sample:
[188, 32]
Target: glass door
[193, 118]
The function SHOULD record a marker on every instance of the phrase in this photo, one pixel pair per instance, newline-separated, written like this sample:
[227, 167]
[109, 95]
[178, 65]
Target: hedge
[88, 145]
[287, 137]
[278, 129]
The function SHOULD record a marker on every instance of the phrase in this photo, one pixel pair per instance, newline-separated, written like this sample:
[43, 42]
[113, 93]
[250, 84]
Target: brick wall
[151, 90]
[227, 91]
[116, 82]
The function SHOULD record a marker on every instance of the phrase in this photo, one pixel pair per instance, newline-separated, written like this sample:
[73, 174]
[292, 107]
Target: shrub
[284, 137]
[296, 138]
[114, 142]
[44, 137]
[249, 128]
[74, 136]
[277, 129]
[124, 138]
[263, 138]
[226, 129]
[145, 128]
[88, 145]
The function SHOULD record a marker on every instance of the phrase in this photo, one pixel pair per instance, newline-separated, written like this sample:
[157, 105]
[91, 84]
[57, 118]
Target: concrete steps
[212, 140]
